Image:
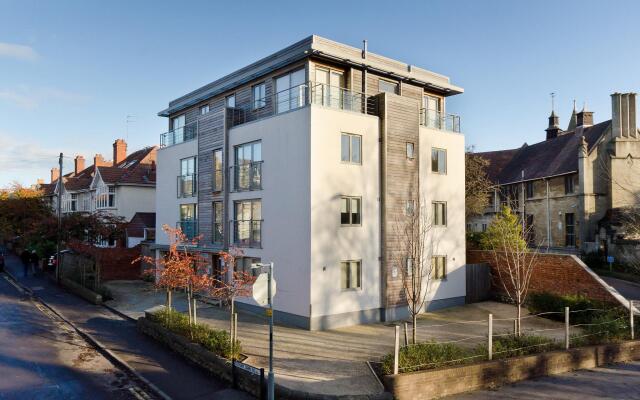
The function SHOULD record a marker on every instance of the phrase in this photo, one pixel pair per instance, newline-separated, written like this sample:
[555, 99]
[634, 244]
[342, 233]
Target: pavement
[170, 372]
[617, 381]
[630, 290]
[333, 361]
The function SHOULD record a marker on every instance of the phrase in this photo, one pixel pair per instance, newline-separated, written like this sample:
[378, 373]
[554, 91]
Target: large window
[259, 93]
[218, 222]
[529, 189]
[387, 86]
[327, 89]
[439, 213]
[431, 112]
[112, 196]
[439, 267]
[74, 202]
[351, 274]
[439, 161]
[187, 177]
[351, 148]
[218, 171]
[568, 184]
[290, 91]
[189, 220]
[230, 101]
[105, 196]
[570, 229]
[248, 166]
[350, 210]
[248, 223]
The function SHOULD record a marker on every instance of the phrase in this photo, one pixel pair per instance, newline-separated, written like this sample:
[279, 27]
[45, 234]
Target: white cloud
[30, 99]
[18, 51]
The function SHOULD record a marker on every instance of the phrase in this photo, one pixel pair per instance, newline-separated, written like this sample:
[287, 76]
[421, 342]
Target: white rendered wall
[133, 199]
[331, 242]
[285, 203]
[166, 201]
[450, 240]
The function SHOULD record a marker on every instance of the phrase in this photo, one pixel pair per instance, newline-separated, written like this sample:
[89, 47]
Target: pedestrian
[1, 261]
[34, 261]
[26, 258]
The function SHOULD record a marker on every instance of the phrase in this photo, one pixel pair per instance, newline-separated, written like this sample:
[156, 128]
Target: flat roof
[318, 46]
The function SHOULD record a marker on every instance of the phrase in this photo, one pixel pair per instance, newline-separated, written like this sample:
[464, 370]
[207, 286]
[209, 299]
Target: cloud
[18, 51]
[30, 99]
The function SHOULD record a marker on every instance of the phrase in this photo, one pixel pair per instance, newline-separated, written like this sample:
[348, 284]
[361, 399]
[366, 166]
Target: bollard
[195, 307]
[515, 327]
[233, 373]
[406, 335]
[566, 328]
[396, 351]
[631, 319]
[490, 338]
[235, 327]
[263, 393]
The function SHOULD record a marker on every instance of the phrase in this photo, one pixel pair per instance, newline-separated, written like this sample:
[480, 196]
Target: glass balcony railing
[247, 233]
[179, 135]
[435, 119]
[187, 185]
[247, 176]
[189, 228]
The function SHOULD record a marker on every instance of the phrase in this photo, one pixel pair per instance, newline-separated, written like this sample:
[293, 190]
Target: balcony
[301, 96]
[189, 228]
[438, 120]
[187, 185]
[179, 135]
[247, 233]
[247, 177]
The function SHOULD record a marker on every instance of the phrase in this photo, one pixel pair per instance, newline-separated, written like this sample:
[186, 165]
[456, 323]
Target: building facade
[569, 185]
[307, 158]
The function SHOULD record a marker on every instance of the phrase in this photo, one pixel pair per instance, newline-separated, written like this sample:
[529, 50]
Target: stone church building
[572, 186]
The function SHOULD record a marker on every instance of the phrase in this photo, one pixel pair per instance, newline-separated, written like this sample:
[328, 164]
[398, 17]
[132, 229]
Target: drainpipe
[548, 217]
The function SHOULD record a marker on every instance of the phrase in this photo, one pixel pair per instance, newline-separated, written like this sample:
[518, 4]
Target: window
[177, 122]
[248, 166]
[259, 92]
[484, 227]
[351, 148]
[248, 223]
[409, 266]
[439, 267]
[439, 213]
[112, 196]
[187, 178]
[189, 220]
[350, 272]
[350, 210]
[439, 161]
[327, 90]
[570, 233]
[387, 86]
[243, 264]
[410, 152]
[204, 109]
[218, 171]
[409, 208]
[218, 222]
[529, 189]
[74, 202]
[430, 115]
[230, 101]
[568, 184]
[290, 91]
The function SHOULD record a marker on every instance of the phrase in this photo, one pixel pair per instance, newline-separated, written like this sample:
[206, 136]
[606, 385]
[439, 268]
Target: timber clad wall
[399, 124]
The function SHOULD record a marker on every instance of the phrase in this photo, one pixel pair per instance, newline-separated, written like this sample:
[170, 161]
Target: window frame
[388, 82]
[215, 186]
[437, 150]
[434, 267]
[409, 211]
[351, 137]
[434, 205]
[529, 189]
[215, 221]
[346, 286]
[411, 155]
[349, 203]
[231, 96]
[204, 109]
[260, 102]
[570, 238]
[111, 196]
[569, 185]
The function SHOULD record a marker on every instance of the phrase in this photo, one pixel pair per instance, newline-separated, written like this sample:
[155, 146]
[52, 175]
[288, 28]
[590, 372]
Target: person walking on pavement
[26, 258]
[34, 262]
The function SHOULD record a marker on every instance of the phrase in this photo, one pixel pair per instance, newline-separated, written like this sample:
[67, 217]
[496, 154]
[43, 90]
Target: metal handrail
[439, 120]
[179, 135]
[247, 177]
[252, 232]
[187, 185]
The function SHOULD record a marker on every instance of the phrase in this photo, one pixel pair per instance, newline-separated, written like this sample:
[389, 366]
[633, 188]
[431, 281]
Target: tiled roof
[139, 222]
[48, 188]
[549, 158]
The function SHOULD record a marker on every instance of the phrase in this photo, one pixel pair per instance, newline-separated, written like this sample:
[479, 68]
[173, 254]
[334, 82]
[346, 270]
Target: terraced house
[572, 186]
[307, 158]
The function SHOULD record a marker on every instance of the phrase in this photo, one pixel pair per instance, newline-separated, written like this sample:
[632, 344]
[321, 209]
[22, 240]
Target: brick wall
[554, 273]
[113, 263]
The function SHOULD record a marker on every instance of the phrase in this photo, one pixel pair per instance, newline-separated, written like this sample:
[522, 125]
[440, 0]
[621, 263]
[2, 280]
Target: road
[41, 357]
[630, 290]
[167, 370]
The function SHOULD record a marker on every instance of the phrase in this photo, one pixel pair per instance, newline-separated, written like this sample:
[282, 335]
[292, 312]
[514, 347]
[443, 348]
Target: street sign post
[260, 290]
[610, 260]
[264, 288]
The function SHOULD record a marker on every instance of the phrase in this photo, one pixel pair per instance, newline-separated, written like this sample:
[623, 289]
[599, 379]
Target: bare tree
[414, 259]
[515, 261]
[478, 187]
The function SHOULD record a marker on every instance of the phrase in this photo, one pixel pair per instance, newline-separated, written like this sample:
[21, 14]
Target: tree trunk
[189, 306]
[195, 306]
[413, 329]
[519, 319]
[231, 333]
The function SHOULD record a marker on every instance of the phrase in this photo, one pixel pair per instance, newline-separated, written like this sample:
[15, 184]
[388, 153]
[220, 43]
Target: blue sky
[71, 71]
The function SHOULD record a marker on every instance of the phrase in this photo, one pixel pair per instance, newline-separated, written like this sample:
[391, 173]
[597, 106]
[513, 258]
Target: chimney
[119, 151]
[55, 174]
[623, 115]
[584, 117]
[364, 49]
[79, 164]
[554, 126]
[99, 161]
[40, 181]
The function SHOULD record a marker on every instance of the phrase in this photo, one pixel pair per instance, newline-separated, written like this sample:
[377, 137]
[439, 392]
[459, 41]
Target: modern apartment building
[307, 158]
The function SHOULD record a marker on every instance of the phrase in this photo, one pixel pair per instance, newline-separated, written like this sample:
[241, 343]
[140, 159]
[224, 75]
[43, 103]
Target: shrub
[429, 355]
[215, 340]
[547, 302]
[513, 346]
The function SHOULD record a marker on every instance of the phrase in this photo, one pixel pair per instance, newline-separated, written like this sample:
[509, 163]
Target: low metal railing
[438, 120]
[188, 227]
[247, 233]
[179, 135]
[187, 185]
[247, 176]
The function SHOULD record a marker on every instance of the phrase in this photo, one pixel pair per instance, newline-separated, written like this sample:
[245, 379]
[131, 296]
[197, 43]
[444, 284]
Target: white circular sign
[261, 289]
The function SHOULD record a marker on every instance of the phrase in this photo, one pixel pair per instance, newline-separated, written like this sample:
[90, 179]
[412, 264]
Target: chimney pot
[78, 164]
[55, 174]
[119, 151]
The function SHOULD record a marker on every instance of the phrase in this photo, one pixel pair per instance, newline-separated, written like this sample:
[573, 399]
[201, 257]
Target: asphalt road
[167, 370]
[41, 357]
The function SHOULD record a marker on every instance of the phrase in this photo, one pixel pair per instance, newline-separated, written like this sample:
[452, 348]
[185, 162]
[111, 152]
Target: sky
[72, 71]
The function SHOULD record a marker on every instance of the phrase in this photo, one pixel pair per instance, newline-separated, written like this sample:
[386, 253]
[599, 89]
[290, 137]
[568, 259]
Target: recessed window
[218, 222]
[247, 171]
[410, 151]
[244, 265]
[387, 86]
[568, 184]
[439, 161]
[204, 109]
[439, 213]
[409, 208]
[570, 229]
[351, 148]
[230, 101]
[290, 91]
[217, 170]
[259, 95]
[529, 189]
[112, 196]
[351, 272]
[439, 267]
[350, 210]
